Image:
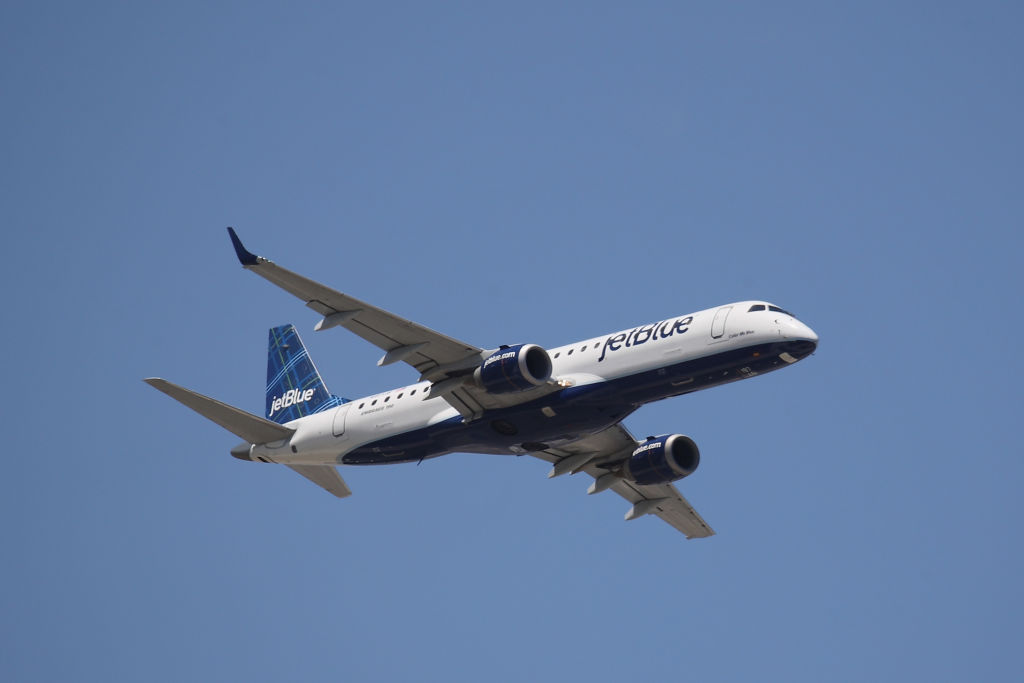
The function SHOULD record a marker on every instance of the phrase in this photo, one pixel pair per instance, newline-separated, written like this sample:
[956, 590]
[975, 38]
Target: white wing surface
[439, 359]
[611, 447]
[430, 352]
[325, 476]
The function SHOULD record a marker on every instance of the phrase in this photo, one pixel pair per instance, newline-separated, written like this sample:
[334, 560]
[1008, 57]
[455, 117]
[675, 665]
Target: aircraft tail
[294, 386]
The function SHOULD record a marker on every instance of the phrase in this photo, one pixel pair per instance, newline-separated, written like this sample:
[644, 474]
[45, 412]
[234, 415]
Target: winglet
[244, 255]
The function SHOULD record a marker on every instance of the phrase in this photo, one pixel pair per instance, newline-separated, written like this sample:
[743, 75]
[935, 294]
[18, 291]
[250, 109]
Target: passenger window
[584, 348]
[558, 354]
[400, 395]
[361, 405]
[387, 398]
[374, 402]
[569, 352]
[412, 393]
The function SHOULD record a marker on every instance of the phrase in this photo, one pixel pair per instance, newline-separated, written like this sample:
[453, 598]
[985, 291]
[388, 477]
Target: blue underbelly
[575, 412]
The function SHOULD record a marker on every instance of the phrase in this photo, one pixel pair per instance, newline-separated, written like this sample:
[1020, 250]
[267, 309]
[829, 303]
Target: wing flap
[671, 507]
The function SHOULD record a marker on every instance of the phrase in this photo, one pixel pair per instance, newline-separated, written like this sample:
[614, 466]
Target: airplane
[564, 405]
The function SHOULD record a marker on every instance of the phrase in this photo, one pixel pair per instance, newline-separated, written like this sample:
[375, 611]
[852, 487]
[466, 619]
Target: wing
[420, 347]
[325, 476]
[447, 363]
[596, 454]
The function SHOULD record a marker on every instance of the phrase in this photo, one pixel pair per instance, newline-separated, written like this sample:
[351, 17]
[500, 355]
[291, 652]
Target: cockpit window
[776, 309]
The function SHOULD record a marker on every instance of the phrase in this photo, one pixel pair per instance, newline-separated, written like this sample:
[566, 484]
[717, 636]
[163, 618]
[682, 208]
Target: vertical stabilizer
[294, 386]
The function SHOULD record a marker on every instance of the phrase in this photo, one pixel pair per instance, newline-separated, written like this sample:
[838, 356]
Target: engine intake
[662, 459]
[514, 368]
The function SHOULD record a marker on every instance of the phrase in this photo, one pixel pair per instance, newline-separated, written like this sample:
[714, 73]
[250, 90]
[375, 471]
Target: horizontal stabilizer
[325, 476]
[252, 428]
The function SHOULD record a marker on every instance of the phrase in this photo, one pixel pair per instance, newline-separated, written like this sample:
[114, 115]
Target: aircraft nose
[794, 329]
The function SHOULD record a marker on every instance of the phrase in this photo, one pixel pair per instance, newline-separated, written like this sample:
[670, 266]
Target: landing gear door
[339, 419]
[718, 324]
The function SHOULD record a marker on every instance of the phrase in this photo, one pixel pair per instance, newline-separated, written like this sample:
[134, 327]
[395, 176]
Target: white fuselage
[600, 380]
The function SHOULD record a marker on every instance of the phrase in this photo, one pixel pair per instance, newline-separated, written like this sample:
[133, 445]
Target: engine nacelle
[662, 459]
[514, 368]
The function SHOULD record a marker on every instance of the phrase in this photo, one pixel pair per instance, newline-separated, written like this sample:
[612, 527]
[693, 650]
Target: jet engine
[662, 459]
[514, 368]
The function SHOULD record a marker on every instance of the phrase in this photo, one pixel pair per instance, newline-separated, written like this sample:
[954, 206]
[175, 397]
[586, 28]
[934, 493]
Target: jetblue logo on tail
[289, 365]
[291, 397]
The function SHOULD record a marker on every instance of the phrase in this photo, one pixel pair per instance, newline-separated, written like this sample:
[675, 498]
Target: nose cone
[801, 341]
[797, 331]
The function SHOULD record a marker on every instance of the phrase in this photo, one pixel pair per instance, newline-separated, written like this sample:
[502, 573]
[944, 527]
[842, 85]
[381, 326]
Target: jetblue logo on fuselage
[291, 397]
[645, 333]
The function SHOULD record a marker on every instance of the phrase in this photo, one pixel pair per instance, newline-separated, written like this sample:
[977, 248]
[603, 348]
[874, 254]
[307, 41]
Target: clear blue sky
[505, 173]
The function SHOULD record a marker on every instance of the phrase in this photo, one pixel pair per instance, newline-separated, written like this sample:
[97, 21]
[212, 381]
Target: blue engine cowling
[514, 368]
[662, 459]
